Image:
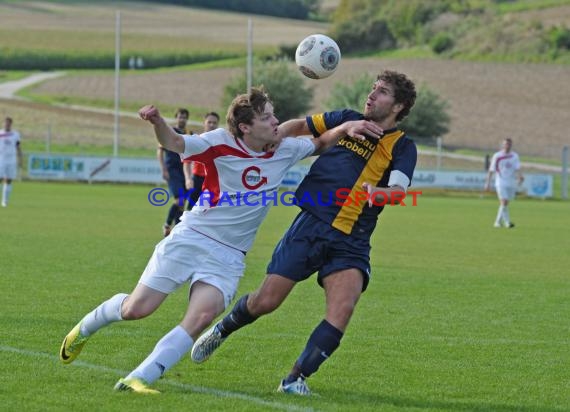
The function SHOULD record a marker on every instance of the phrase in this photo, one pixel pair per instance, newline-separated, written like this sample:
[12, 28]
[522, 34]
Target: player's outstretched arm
[294, 127]
[356, 129]
[165, 135]
[379, 195]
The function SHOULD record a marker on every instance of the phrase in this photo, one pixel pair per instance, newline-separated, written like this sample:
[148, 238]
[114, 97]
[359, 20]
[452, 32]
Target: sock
[236, 319]
[103, 315]
[322, 343]
[172, 214]
[500, 215]
[506, 217]
[167, 352]
[6, 190]
[178, 213]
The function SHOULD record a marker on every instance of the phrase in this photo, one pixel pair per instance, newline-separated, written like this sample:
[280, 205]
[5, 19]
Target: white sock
[104, 314]
[6, 190]
[499, 215]
[167, 352]
[506, 217]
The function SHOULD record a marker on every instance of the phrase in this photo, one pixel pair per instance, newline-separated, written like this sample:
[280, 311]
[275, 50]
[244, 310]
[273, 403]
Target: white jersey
[240, 184]
[8, 143]
[505, 166]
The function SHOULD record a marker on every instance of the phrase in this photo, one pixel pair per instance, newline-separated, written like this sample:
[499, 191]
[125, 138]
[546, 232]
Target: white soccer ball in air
[317, 56]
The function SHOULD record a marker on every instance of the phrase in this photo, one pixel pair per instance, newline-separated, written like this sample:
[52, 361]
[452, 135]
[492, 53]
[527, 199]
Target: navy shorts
[312, 245]
[176, 182]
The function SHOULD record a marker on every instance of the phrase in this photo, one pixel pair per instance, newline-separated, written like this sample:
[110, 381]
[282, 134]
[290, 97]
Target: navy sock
[322, 343]
[178, 213]
[237, 318]
[172, 214]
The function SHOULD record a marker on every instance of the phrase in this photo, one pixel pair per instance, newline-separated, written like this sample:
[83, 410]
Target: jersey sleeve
[195, 144]
[320, 123]
[299, 147]
[405, 157]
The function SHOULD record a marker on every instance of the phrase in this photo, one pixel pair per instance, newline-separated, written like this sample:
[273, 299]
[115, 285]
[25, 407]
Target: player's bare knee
[135, 311]
[205, 318]
[341, 311]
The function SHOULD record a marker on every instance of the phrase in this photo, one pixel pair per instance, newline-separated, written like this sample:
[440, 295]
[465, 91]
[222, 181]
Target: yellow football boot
[72, 345]
[134, 385]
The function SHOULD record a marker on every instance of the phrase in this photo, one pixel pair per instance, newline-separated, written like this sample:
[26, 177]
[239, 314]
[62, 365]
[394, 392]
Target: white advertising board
[111, 169]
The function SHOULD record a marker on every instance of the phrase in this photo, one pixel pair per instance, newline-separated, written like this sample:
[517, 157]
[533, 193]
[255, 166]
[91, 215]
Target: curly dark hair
[404, 90]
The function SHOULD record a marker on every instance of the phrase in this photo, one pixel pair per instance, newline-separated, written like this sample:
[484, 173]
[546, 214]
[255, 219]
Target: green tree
[285, 85]
[428, 118]
[351, 96]
[357, 26]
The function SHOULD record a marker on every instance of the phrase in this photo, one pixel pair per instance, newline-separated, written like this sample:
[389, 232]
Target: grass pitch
[458, 315]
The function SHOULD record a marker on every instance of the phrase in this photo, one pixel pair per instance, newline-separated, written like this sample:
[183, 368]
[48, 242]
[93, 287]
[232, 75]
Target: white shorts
[187, 256]
[8, 170]
[506, 192]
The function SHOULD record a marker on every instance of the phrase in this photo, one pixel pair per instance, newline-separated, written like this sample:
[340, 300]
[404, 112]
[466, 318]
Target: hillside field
[488, 101]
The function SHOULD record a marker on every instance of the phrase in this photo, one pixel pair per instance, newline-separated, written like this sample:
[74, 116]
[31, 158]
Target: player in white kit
[207, 249]
[10, 158]
[505, 165]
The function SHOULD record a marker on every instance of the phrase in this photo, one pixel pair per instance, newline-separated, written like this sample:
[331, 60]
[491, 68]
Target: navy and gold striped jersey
[340, 171]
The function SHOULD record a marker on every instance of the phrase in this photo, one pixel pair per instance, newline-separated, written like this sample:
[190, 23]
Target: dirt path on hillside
[9, 89]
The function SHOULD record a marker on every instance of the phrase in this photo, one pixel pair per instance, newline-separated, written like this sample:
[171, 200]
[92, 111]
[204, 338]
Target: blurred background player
[195, 172]
[10, 158]
[173, 173]
[506, 165]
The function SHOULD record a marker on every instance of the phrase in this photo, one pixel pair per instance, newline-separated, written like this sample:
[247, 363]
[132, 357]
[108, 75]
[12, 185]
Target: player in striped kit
[332, 240]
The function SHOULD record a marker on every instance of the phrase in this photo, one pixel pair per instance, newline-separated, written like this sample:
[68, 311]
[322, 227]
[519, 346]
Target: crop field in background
[459, 316]
[89, 26]
[487, 101]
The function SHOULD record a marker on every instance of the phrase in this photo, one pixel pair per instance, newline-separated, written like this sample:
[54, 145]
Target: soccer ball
[317, 56]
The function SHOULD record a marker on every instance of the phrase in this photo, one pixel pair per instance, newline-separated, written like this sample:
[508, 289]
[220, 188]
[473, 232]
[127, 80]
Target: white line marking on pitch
[192, 388]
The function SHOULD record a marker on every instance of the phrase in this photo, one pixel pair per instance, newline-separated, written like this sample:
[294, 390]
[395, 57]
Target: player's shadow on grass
[352, 398]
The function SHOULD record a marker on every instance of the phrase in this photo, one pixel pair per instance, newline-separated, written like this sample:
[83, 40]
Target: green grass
[417, 52]
[11, 75]
[43, 41]
[525, 5]
[459, 316]
[108, 104]
[38, 146]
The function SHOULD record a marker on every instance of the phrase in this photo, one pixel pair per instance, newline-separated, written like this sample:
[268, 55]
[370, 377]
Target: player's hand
[361, 129]
[149, 113]
[165, 175]
[189, 183]
[370, 189]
